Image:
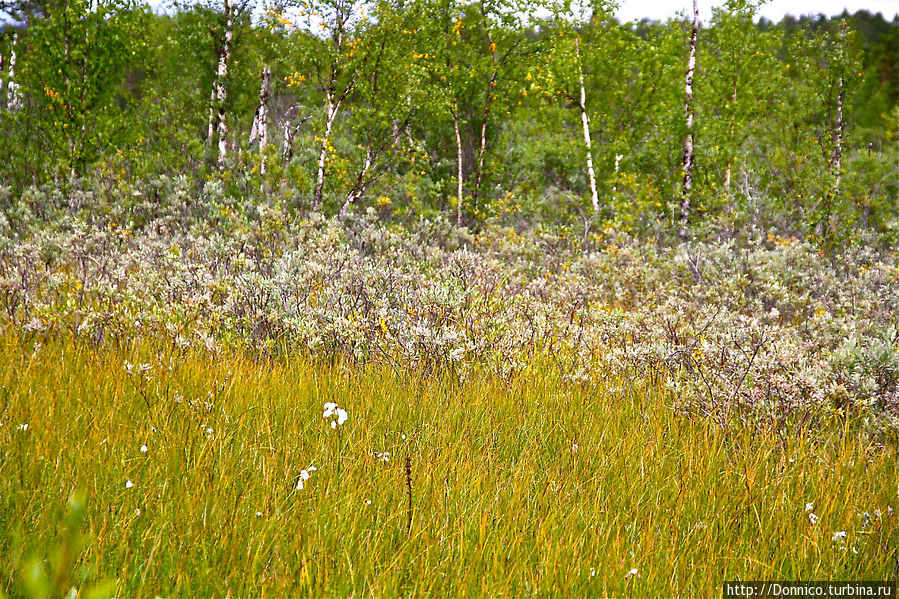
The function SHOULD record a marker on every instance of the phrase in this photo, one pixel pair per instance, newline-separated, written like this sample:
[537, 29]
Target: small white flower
[330, 409]
[144, 449]
[333, 424]
[341, 416]
[592, 571]
[809, 507]
[404, 437]
[574, 447]
[128, 484]
[813, 518]
[632, 572]
[792, 460]
[23, 427]
[383, 456]
[258, 514]
[838, 536]
[304, 476]
[368, 502]
[312, 469]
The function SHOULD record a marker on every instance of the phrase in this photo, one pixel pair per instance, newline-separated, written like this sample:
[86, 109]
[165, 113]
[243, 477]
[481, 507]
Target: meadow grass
[524, 487]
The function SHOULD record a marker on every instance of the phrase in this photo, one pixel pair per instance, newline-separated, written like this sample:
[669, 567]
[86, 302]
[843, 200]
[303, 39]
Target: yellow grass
[527, 487]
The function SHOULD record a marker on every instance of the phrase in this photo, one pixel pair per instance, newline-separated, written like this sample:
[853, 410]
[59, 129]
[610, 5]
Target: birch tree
[566, 70]
[739, 87]
[259, 131]
[218, 124]
[689, 157]
[473, 54]
[386, 98]
[328, 48]
[77, 57]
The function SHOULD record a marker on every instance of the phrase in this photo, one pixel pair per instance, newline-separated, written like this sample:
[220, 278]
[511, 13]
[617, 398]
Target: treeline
[476, 110]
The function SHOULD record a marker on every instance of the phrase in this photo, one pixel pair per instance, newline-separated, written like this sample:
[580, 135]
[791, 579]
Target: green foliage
[129, 101]
[80, 71]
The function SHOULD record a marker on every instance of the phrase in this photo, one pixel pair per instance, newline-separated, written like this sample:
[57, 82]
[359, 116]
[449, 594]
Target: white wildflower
[813, 518]
[23, 427]
[144, 449]
[331, 410]
[809, 507]
[574, 447]
[304, 476]
[838, 536]
[383, 456]
[632, 572]
[128, 484]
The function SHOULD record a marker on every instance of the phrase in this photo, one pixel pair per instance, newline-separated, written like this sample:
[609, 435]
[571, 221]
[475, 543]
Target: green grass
[502, 503]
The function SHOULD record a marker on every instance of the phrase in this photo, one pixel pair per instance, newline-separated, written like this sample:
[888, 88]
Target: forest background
[484, 112]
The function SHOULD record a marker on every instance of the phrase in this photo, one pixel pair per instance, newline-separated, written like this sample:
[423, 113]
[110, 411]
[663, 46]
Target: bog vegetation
[338, 298]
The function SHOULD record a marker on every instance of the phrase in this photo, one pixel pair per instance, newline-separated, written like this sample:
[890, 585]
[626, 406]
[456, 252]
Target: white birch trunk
[459, 174]
[221, 94]
[358, 189]
[689, 158]
[13, 98]
[330, 115]
[483, 147]
[210, 133]
[836, 163]
[287, 138]
[585, 120]
[618, 158]
[2, 83]
[260, 120]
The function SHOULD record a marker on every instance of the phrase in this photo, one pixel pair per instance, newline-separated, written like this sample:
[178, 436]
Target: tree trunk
[13, 99]
[358, 188]
[585, 120]
[836, 164]
[483, 147]
[219, 88]
[210, 132]
[260, 121]
[2, 84]
[689, 158]
[459, 174]
[330, 115]
[290, 131]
